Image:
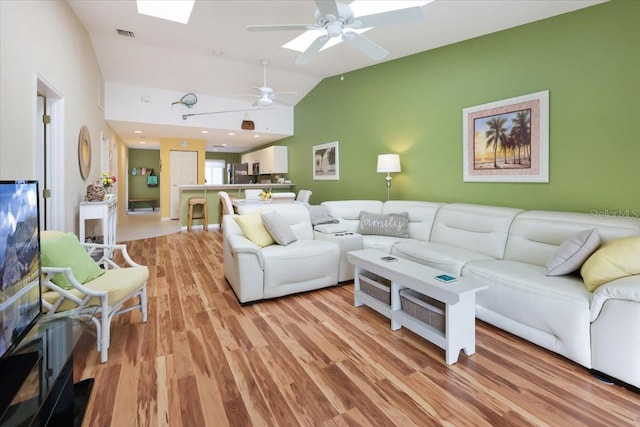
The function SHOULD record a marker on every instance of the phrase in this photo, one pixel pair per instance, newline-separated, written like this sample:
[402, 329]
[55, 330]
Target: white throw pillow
[573, 252]
[278, 228]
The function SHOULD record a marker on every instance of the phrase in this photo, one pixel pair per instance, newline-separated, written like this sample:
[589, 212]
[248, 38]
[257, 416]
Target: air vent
[125, 33]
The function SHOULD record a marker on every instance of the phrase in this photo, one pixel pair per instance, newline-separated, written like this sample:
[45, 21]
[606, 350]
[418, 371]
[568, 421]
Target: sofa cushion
[573, 252]
[421, 215]
[278, 228]
[551, 311]
[614, 260]
[478, 228]
[438, 255]
[393, 224]
[253, 228]
[65, 250]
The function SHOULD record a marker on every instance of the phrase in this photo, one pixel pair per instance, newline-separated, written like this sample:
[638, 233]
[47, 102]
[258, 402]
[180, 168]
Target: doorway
[49, 154]
[183, 170]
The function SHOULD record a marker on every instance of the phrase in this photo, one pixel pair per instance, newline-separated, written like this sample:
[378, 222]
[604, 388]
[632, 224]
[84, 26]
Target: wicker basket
[377, 287]
[423, 308]
[95, 193]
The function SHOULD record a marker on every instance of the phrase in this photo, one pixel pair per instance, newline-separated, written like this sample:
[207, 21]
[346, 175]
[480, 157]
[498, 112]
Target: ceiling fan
[266, 95]
[335, 19]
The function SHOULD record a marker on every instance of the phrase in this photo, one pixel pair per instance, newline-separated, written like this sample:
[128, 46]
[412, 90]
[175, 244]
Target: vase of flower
[107, 180]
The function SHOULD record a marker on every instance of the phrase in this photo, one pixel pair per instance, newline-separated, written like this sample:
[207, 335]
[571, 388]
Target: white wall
[45, 38]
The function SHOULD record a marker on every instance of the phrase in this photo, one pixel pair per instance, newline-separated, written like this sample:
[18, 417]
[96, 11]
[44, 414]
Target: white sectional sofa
[257, 273]
[508, 249]
[505, 248]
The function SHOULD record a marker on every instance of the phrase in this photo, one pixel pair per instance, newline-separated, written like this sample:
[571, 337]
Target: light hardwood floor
[314, 359]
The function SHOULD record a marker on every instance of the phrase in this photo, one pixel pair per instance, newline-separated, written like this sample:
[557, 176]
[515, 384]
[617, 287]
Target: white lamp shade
[389, 163]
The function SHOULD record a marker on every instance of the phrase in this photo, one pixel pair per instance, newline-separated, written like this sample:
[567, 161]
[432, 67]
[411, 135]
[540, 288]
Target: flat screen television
[20, 304]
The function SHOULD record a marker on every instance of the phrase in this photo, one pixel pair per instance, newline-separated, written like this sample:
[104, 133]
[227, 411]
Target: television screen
[20, 304]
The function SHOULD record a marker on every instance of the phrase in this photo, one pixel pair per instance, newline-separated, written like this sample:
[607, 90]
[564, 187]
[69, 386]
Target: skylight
[359, 8]
[171, 10]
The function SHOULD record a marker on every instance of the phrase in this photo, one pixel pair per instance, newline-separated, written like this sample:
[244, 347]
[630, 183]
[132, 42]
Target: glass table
[36, 379]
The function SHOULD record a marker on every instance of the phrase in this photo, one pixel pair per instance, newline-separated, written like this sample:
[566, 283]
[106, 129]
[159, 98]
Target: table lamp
[388, 163]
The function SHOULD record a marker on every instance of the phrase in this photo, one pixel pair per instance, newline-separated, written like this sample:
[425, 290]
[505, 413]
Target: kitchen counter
[210, 192]
[224, 187]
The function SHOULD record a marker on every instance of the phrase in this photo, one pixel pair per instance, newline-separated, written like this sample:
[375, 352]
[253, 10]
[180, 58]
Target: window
[214, 172]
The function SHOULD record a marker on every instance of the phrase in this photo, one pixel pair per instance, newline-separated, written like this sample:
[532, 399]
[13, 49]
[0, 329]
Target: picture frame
[326, 161]
[84, 152]
[507, 140]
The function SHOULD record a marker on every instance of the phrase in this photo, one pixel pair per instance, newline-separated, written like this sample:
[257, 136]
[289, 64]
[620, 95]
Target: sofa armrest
[239, 244]
[626, 288]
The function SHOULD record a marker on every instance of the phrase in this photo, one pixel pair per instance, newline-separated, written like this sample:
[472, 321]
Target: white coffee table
[459, 298]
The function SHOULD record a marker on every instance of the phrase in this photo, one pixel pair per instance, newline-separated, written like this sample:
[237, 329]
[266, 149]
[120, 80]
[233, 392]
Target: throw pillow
[393, 224]
[278, 228]
[573, 252]
[614, 260]
[66, 251]
[320, 215]
[253, 228]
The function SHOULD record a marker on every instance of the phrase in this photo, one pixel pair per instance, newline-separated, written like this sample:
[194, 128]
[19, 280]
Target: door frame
[54, 145]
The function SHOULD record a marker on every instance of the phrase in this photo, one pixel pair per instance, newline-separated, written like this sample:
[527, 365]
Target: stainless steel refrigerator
[239, 173]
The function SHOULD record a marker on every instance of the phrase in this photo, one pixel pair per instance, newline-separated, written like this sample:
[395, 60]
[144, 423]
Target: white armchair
[110, 291]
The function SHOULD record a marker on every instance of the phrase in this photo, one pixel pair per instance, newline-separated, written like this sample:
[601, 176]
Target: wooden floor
[314, 359]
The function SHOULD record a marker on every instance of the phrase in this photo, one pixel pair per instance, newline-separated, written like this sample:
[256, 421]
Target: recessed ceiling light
[224, 145]
[231, 134]
[256, 136]
[171, 10]
[137, 131]
[359, 8]
[204, 131]
[142, 142]
[217, 52]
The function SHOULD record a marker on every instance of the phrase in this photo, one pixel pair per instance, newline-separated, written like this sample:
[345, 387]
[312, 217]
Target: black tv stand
[39, 375]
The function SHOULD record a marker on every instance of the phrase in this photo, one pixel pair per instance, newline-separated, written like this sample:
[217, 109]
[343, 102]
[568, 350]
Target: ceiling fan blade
[282, 102]
[365, 45]
[327, 7]
[394, 17]
[312, 49]
[296, 27]
[288, 92]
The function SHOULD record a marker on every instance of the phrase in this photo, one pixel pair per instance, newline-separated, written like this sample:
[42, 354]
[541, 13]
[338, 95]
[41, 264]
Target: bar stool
[195, 201]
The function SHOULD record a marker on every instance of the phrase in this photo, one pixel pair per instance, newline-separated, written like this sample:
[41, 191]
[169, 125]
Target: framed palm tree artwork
[326, 164]
[507, 140]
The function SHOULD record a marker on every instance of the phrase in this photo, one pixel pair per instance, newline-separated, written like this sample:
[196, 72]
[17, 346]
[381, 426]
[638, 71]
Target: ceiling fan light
[264, 102]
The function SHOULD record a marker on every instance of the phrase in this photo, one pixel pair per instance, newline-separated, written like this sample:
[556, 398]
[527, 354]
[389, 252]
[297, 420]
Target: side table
[107, 211]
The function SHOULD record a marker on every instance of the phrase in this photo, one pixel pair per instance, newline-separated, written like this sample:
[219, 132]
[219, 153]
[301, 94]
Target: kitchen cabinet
[273, 160]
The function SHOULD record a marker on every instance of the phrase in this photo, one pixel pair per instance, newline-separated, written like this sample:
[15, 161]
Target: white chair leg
[105, 335]
[143, 303]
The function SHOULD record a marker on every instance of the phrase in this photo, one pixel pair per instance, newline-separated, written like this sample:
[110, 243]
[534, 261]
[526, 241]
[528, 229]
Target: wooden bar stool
[195, 201]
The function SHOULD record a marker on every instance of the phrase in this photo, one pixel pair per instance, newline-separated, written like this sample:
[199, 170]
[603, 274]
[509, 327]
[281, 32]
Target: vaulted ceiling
[215, 57]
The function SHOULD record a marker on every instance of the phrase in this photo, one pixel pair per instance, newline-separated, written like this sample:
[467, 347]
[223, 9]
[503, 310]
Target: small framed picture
[326, 163]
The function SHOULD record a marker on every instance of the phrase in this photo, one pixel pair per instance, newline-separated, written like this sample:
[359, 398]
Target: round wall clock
[84, 152]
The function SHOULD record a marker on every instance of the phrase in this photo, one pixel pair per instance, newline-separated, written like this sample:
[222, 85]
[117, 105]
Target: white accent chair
[283, 197]
[252, 194]
[304, 196]
[226, 207]
[110, 291]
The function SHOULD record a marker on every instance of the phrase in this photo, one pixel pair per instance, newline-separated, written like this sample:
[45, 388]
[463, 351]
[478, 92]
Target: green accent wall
[138, 188]
[589, 61]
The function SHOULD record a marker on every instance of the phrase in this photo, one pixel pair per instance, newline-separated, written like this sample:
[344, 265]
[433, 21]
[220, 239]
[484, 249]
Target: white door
[183, 167]
[49, 156]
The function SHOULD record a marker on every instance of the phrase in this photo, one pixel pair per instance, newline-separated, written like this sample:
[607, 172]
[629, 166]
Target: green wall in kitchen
[589, 61]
